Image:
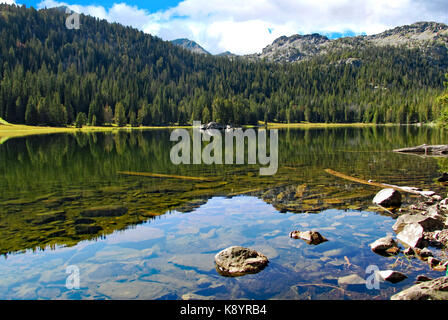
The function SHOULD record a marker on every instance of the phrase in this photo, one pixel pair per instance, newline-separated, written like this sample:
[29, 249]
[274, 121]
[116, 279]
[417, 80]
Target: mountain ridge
[53, 75]
[297, 47]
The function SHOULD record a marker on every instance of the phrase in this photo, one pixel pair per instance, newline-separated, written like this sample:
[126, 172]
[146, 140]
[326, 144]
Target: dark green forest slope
[49, 74]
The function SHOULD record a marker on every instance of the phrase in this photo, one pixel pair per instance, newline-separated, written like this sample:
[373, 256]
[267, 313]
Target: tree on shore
[31, 115]
[81, 120]
[120, 115]
[108, 115]
[442, 101]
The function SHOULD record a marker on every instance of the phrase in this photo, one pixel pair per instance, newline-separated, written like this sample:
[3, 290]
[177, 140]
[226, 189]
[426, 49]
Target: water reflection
[172, 257]
[163, 246]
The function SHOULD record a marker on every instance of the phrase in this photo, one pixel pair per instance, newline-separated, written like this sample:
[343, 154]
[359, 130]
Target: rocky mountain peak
[301, 47]
[190, 45]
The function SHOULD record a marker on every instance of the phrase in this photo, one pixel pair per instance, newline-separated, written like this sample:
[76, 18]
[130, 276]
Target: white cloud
[8, 1]
[247, 26]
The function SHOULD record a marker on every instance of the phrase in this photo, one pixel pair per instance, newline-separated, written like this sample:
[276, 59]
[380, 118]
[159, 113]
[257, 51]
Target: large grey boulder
[388, 198]
[237, 261]
[412, 235]
[428, 223]
[436, 289]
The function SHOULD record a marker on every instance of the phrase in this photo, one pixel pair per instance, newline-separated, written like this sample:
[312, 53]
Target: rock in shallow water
[385, 246]
[426, 222]
[238, 261]
[388, 198]
[392, 276]
[311, 237]
[412, 235]
[429, 290]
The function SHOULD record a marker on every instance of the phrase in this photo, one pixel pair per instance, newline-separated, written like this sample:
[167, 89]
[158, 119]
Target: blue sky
[247, 26]
[152, 6]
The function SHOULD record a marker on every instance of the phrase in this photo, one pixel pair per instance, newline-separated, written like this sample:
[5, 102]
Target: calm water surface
[163, 247]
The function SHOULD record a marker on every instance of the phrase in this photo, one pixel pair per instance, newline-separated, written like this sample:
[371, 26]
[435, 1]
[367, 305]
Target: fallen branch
[426, 149]
[166, 176]
[427, 194]
[387, 210]
[322, 285]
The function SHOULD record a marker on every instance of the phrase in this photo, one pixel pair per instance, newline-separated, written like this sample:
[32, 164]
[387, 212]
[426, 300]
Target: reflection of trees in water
[71, 172]
[28, 161]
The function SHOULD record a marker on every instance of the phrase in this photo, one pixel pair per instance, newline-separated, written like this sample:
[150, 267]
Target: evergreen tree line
[106, 73]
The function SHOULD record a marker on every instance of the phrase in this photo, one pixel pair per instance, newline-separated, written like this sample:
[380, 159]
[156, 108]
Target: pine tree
[206, 118]
[31, 115]
[120, 115]
[133, 119]
[81, 120]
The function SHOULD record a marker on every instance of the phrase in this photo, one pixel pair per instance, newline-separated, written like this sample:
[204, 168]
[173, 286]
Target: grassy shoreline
[8, 131]
[15, 130]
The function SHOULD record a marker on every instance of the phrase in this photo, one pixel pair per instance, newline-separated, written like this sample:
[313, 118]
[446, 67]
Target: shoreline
[8, 131]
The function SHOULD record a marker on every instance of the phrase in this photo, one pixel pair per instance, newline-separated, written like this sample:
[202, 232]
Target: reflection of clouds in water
[180, 260]
[140, 233]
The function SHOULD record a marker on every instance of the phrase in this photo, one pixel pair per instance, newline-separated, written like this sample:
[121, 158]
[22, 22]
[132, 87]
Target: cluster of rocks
[417, 227]
[215, 126]
[420, 225]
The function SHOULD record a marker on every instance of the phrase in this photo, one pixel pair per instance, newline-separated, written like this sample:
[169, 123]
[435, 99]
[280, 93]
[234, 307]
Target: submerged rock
[412, 235]
[388, 198]
[385, 246]
[105, 211]
[51, 217]
[86, 229]
[352, 279]
[310, 237]
[237, 261]
[436, 289]
[391, 276]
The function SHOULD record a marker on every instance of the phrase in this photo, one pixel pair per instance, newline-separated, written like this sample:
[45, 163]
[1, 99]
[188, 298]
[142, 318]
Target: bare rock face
[392, 276]
[436, 289]
[238, 261]
[385, 246]
[412, 235]
[428, 223]
[311, 237]
[388, 198]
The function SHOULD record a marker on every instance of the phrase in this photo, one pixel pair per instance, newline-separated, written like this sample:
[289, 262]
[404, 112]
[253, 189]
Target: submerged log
[427, 194]
[425, 149]
[166, 176]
